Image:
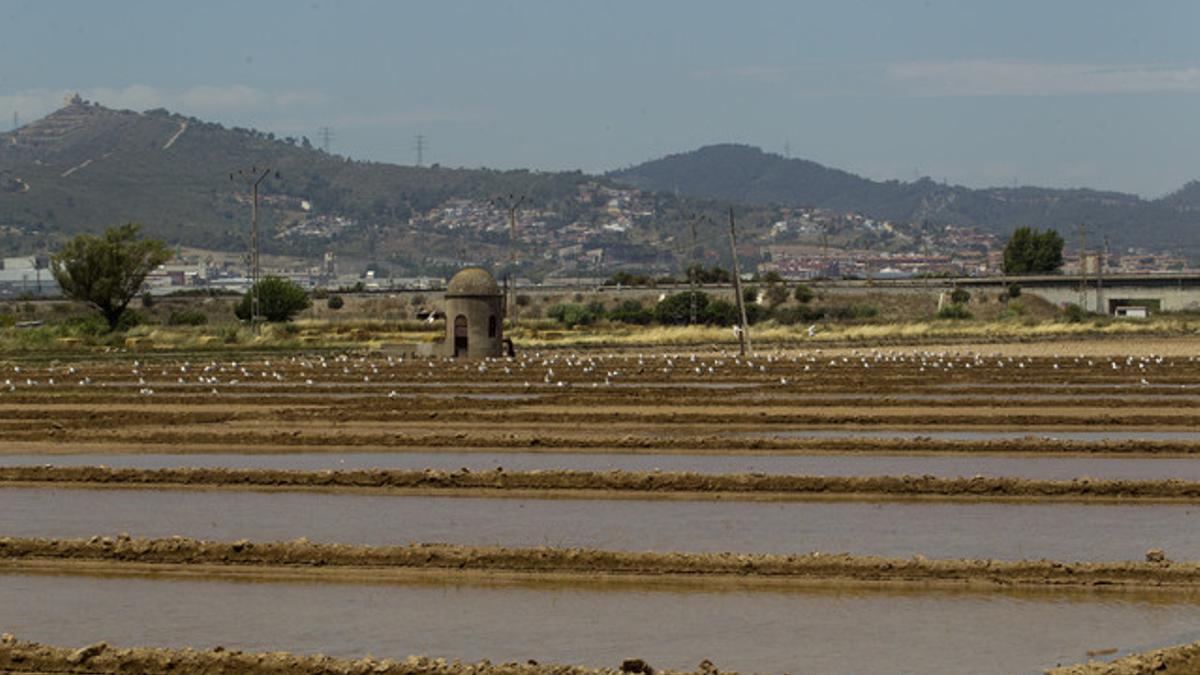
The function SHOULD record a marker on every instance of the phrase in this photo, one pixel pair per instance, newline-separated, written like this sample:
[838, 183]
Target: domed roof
[473, 281]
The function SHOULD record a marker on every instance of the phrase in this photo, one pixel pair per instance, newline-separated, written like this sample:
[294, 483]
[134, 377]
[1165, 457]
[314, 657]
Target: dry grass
[866, 333]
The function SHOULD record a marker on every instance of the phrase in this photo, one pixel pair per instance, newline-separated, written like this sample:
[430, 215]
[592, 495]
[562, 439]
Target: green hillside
[85, 167]
[746, 174]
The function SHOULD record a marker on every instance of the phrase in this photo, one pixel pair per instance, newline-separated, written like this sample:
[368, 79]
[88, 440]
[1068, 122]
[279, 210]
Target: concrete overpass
[1168, 292]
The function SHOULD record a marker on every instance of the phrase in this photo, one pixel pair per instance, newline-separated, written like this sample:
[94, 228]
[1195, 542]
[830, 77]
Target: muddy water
[939, 530]
[751, 631]
[1052, 468]
[986, 435]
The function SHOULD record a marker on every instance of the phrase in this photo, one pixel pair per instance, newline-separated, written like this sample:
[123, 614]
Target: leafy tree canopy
[107, 271]
[1031, 251]
[279, 300]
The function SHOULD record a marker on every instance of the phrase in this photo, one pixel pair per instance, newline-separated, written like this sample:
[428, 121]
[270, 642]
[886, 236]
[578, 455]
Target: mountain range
[85, 167]
[745, 174]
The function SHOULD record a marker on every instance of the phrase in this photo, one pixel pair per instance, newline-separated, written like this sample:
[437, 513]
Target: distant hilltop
[85, 167]
[742, 173]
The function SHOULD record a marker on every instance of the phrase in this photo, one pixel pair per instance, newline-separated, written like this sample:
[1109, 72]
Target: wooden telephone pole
[252, 179]
[1083, 266]
[744, 332]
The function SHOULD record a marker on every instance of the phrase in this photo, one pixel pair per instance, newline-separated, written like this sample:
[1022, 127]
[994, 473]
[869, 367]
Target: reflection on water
[814, 632]
[1043, 467]
[947, 529]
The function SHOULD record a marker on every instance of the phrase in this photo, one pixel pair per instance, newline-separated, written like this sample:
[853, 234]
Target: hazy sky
[1069, 93]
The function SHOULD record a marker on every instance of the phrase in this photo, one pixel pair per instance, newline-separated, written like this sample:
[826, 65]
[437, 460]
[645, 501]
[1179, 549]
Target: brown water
[848, 631]
[1041, 467]
[941, 530]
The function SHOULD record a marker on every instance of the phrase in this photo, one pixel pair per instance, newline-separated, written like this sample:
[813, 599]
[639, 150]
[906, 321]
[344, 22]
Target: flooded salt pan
[899, 528]
[1042, 467]
[845, 631]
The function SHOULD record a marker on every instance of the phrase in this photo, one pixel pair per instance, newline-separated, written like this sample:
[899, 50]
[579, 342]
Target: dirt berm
[31, 657]
[623, 483]
[113, 553]
[1180, 660]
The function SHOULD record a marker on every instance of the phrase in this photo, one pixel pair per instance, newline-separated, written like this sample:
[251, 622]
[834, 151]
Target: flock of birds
[554, 368]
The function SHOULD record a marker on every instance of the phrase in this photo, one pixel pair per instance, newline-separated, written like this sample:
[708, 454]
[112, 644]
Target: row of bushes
[678, 310]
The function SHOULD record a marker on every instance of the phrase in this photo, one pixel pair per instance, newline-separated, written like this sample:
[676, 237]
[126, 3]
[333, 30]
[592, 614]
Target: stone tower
[474, 315]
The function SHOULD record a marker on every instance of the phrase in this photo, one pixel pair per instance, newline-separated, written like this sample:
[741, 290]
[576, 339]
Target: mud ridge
[32, 657]
[121, 550]
[1178, 660]
[623, 483]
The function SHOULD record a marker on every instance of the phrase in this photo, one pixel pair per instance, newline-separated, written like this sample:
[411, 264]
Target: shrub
[522, 300]
[335, 302]
[750, 295]
[7, 320]
[418, 300]
[793, 315]
[147, 300]
[960, 296]
[571, 314]
[187, 317]
[129, 319]
[279, 300]
[91, 326]
[953, 311]
[676, 309]
[1073, 313]
[777, 294]
[851, 312]
[1014, 290]
[631, 312]
[721, 313]
[803, 294]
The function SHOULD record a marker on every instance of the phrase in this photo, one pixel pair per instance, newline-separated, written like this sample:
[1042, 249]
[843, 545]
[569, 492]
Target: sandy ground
[269, 560]
[31, 657]
[611, 484]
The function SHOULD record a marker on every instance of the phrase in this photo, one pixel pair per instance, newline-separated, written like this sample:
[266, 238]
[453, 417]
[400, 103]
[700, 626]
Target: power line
[420, 144]
[252, 179]
[327, 135]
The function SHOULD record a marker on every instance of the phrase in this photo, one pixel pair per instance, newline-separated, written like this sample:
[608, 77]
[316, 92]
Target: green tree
[571, 314]
[279, 300]
[335, 302]
[631, 312]
[676, 309]
[107, 272]
[1031, 251]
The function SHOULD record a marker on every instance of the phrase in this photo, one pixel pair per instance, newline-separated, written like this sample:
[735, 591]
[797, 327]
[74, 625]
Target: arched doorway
[460, 336]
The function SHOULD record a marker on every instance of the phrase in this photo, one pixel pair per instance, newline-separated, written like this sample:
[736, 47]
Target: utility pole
[252, 179]
[1100, 306]
[825, 249]
[511, 203]
[327, 135]
[744, 333]
[419, 146]
[1083, 266]
[692, 277]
